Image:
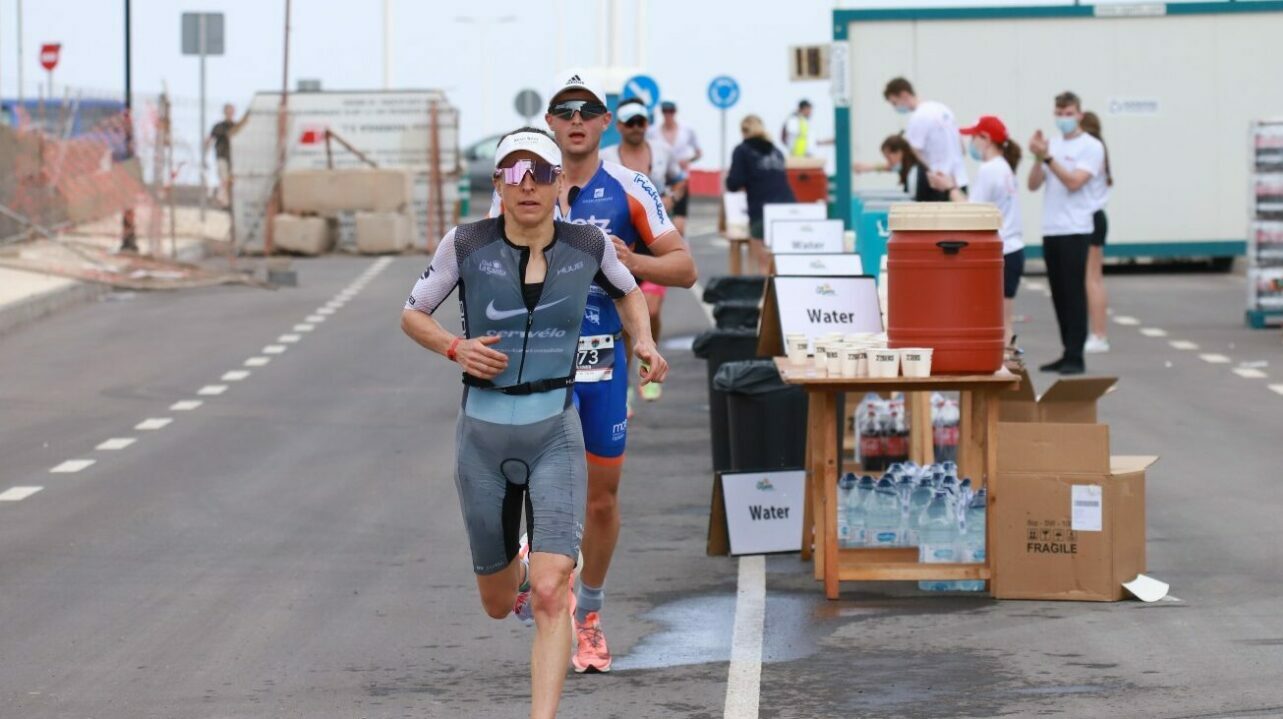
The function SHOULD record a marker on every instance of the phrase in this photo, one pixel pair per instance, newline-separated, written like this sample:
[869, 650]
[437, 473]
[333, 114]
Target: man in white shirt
[684, 146]
[1065, 166]
[932, 132]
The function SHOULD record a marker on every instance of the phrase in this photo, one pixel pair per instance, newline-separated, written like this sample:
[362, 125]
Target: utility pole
[387, 44]
[128, 233]
[20, 90]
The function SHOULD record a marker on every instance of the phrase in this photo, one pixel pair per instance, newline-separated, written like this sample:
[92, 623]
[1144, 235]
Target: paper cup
[833, 354]
[861, 361]
[851, 360]
[916, 361]
[884, 363]
[796, 350]
[821, 357]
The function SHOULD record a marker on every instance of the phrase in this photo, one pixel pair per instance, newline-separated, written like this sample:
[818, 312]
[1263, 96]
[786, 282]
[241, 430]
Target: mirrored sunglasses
[543, 173]
[587, 109]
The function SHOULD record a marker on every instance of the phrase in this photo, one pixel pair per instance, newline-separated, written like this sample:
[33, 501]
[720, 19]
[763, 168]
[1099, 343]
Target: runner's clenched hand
[477, 359]
[654, 368]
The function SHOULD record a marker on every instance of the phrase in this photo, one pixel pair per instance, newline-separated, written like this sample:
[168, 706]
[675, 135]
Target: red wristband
[449, 353]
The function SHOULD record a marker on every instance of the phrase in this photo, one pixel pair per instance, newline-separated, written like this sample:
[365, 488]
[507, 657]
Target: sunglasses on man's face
[636, 122]
[587, 109]
[543, 173]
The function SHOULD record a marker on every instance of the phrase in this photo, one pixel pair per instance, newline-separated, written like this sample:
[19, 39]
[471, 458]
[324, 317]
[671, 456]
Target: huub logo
[571, 268]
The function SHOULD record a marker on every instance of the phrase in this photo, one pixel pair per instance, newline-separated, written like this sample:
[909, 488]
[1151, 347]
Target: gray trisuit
[525, 442]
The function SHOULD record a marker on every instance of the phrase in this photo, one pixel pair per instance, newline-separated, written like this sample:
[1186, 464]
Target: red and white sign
[49, 55]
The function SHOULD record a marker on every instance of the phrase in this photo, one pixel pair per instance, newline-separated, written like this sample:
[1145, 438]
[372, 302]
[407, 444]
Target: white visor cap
[577, 79]
[536, 142]
[631, 110]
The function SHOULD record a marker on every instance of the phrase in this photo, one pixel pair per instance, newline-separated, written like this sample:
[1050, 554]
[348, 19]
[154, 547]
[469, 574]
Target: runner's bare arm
[671, 264]
[636, 319]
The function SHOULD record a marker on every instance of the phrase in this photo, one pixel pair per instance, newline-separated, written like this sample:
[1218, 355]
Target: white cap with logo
[633, 109]
[574, 79]
[537, 142]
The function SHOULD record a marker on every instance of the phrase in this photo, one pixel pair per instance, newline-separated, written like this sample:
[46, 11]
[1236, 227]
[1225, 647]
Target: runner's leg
[549, 576]
[601, 529]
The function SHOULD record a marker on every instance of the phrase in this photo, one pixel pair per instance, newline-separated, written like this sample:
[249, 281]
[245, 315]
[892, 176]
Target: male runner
[627, 206]
[681, 140]
[523, 282]
[636, 151]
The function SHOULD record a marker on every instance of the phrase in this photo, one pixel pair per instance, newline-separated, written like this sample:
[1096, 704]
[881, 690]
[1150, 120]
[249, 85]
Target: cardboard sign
[814, 306]
[773, 212]
[735, 205]
[837, 265]
[764, 510]
[803, 236]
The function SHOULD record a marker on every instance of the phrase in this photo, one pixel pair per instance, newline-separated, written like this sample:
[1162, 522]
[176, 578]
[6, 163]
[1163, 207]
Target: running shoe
[1096, 345]
[651, 391]
[591, 653]
[521, 608]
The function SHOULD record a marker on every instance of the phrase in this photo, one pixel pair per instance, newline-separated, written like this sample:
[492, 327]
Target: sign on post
[644, 88]
[203, 36]
[764, 510]
[723, 93]
[49, 55]
[528, 104]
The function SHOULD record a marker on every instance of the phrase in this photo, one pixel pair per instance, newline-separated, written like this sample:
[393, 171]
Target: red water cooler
[944, 284]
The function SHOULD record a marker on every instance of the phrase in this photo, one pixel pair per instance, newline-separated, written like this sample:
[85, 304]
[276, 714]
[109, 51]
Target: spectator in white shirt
[1065, 166]
[932, 132]
[1097, 296]
[682, 143]
[991, 145]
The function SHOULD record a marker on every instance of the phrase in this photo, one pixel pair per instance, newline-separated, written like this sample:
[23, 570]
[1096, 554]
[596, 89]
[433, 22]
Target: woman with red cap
[995, 183]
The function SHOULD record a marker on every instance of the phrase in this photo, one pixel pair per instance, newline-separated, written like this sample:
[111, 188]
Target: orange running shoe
[591, 653]
[521, 608]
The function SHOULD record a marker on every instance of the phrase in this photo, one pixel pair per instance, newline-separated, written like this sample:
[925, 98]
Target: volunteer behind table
[1065, 165]
[523, 282]
[932, 132]
[1097, 296]
[899, 159]
[637, 152]
[682, 143]
[991, 145]
[758, 168]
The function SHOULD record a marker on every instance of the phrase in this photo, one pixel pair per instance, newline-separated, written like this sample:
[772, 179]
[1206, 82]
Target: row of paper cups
[858, 355]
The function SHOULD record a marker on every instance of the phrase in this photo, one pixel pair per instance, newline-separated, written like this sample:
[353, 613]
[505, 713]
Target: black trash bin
[734, 287]
[731, 314]
[719, 347]
[767, 418]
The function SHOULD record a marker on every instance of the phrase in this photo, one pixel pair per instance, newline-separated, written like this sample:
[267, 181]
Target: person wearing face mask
[898, 159]
[1097, 297]
[991, 145]
[1065, 166]
[932, 132]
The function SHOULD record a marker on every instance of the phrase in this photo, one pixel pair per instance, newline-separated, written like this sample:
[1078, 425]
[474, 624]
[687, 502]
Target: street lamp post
[485, 23]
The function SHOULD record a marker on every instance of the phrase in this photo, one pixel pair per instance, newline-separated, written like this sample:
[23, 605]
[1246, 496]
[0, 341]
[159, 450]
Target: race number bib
[595, 361]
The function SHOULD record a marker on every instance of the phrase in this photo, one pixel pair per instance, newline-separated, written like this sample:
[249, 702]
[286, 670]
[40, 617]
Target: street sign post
[644, 88]
[723, 93]
[202, 36]
[49, 60]
[528, 103]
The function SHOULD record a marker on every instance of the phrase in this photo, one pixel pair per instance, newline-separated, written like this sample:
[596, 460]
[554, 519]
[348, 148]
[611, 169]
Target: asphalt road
[292, 546]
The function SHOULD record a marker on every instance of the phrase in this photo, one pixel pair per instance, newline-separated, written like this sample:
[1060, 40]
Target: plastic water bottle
[918, 501]
[882, 516]
[972, 547]
[965, 495]
[846, 488]
[854, 510]
[938, 539]
[904, 487]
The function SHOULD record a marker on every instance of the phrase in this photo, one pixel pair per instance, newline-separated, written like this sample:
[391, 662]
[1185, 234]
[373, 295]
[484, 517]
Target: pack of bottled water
[914, 506]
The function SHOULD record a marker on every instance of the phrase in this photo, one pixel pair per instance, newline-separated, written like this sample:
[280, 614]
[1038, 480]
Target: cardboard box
[1070, 518]
[302, 235]
[382, 232]
[327, 192]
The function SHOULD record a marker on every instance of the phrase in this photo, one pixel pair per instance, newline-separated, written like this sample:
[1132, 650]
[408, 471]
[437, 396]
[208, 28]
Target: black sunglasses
[587, 109]
[636, 122]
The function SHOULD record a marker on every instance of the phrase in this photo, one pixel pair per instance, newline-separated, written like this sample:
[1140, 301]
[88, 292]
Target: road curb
[43, 304]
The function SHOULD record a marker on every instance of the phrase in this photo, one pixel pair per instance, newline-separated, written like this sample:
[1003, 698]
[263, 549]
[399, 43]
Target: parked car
[480, 157]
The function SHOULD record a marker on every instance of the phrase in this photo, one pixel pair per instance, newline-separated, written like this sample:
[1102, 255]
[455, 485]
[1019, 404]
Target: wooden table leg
[971, 436]
[813, 498]
[921, 431]
[737, 265]
[828, 483]
[989, 478]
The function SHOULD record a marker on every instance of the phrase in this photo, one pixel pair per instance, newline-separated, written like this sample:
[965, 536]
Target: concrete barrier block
[302, 235]
[380, 233]
[327, 192]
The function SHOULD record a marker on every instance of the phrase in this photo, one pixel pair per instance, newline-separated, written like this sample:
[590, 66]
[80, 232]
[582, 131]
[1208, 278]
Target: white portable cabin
[1176, 86]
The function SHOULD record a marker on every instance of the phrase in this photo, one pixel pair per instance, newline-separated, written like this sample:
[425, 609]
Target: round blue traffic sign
[644, 88]
[723, 92]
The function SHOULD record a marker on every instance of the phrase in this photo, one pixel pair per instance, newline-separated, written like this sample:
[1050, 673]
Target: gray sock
[588, 600]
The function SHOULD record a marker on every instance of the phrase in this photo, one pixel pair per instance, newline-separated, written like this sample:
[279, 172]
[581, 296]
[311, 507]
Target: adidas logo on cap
[576, 80]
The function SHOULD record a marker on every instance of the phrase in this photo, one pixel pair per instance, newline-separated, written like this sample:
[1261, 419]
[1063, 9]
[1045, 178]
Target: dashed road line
[1153, 332]
[274, 350]
[186, 405]
[153, 423]
[72, 465]
[289, 339]
[1036, 286]
[235, 375]
[744, 678]
[1214, 359]
[1249, 373]
[1276, 388]
[116, 443]
[1126, 321]
[315, 319]
[257, 361]
[212, 390]
[303, 327]
[17, 494]
[1183, 345]
[325, 310]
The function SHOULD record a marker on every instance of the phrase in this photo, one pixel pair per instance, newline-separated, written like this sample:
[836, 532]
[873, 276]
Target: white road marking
[1214, 359]
[719, 242]
[744, 678]
[1183, 345]
[186, 405]
[1249, 373]
[304, 327]
[17, 494]
[153, 423]
[336, 303]
[257, 361]
[1276, 388]
[1153, 332]
[212, 390]
[116, 443]
[1036, 286]
[72, 465]
[315, 319]
[274, 349]
[289, 339]
[1126, 321]
[324, 310]
[235, 375]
